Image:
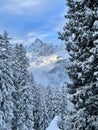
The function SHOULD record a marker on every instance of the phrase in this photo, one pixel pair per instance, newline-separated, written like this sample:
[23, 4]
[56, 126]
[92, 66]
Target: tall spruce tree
[6, 83]
[56, 99]
[81, 37]
[44, 117]
[23, 95]
[63, 109]
[49, 102]
[37, 109]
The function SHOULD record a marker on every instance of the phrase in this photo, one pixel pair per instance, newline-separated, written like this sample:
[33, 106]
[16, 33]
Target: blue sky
[32, 18]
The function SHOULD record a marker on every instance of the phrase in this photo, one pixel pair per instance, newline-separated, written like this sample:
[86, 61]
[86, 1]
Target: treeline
[24, 105]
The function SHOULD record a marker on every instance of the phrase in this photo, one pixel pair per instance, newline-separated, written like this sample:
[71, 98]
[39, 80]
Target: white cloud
[27, 6]
[34, 35]
[19, 6]
[29, 3]
[20, 41]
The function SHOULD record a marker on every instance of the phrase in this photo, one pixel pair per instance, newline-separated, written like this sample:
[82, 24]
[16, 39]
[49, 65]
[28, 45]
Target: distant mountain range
[47, 63]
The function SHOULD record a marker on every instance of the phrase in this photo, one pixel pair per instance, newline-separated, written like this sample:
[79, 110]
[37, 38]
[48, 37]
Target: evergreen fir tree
[56, 99]
[44, 117]
[81, 36]
[6, 83]
[63, 110]
[22, 97]
[49, 103]
[37, 109]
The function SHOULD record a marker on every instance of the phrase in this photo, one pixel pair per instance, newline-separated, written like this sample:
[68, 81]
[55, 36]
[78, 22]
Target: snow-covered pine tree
[49, 102]
[44, 117]
[56, 99]
[6, 83]
[37, 109]
[63, 110]
[23, 95]
[81, 37]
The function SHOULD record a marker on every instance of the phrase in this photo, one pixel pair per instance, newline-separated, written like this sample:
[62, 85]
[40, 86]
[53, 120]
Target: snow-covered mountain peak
[37, 40]
[40, 48]
[47, 62]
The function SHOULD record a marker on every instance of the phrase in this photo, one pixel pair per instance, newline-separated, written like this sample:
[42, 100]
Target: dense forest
[27, 105]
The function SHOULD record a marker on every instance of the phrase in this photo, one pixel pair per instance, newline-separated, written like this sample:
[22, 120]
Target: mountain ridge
[47, 63]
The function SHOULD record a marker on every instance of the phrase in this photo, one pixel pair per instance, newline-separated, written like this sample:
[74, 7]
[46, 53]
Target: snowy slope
[47, 62]
[54, 124]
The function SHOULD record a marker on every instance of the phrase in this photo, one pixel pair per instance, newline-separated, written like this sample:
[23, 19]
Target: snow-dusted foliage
[6, 83]
[37, 109]
[44, 117]
[23, 95]
[53, 101]
[63, 113]
[81, 37]
[56, 97]
[49, 103]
